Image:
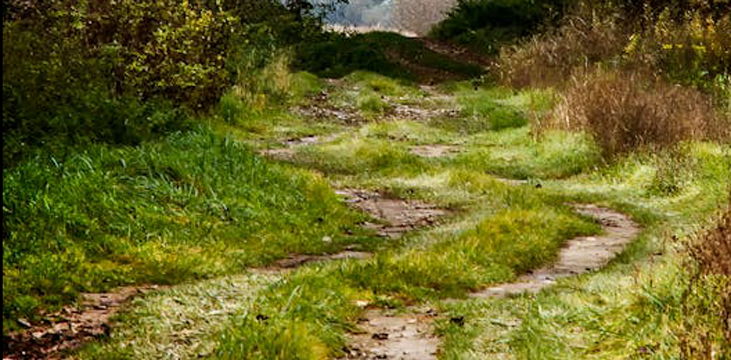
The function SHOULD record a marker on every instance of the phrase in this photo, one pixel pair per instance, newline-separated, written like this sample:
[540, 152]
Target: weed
[709, 291]
[372, 104]
[624, 111]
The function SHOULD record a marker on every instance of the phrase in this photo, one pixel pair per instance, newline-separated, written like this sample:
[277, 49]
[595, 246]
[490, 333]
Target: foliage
[389, 54]
[485, 25]
[685, 43]
[709, 291]
[191, 206]
[122, 72]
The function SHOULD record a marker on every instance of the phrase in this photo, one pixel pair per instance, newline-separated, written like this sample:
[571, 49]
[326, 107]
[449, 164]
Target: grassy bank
[194, 205]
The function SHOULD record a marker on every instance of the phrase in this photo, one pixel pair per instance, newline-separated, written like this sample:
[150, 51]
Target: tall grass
[709, 293]
[191, 206]
[625, 111]
[688, 45]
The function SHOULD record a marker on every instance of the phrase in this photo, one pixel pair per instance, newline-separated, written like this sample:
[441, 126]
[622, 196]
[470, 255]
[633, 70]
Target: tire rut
[410, 335]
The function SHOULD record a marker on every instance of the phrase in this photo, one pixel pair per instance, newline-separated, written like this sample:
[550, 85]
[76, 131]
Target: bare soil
[434, 151]
[297, 260]
[399, 215]
[71, 327]
[578, 256]
[387, 335]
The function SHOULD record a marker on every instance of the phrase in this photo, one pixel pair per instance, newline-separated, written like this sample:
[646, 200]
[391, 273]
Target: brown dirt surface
[578, 256]
[387, 335]
[400, 215]
[291, 145]
[297, 260]
[433, 151]
[410, 336]
[70, 327]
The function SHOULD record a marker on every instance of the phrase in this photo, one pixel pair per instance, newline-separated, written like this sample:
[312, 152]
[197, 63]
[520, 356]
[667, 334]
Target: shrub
[584, 39]
[686, 44]
[484, 25]
[389, 54]
[709, 294]
[625, 110]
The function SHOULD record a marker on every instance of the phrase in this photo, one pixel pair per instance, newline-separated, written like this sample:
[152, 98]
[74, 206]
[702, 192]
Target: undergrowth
[191, 206]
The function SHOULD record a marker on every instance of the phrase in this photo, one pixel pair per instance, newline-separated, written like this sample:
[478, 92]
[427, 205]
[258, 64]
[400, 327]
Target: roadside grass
[261, 115]
[514, 153]
[192, 206]
[313, 308]
[359, 155]
[178, 322]
[636, 307]
[409, 132]
[493, 108]
[374, 95]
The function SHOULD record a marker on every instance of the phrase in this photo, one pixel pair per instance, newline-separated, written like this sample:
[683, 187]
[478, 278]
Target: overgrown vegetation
[132, 132]
[625, 111]
[191, 206]
[709, 292]
[124, 72]
[487, 25]
[624, 63]
[389, 54]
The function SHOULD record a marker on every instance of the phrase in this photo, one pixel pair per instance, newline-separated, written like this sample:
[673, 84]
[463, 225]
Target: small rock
[327, 239]
[380, 336]
[24, 323]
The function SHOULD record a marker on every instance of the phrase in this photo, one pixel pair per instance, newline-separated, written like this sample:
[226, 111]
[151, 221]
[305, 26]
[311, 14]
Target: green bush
[119, 72]
[484, 25]
[389, 54]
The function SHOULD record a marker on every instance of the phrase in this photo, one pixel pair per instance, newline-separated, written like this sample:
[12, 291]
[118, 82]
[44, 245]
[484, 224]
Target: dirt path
[400, 215]
[387, 335]
[410, 336]
[291, 145]
[578, 256]
[70, 327]
[434, 151]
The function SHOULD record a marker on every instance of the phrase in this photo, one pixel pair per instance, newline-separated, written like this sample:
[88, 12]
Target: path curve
[410, 336]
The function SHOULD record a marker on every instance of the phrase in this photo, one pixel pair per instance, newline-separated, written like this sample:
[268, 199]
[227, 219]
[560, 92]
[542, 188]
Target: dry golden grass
[627, 110]
[550, 58]
[691, 48]
[713, 250]
[711, 283]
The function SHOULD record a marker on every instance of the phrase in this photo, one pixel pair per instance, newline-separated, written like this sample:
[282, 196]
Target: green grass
[194, 205]
[313, 308]
[513, 153]
[179, 322]
[636, 307]
[495, 231]
[486, 109]
[358, 155]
